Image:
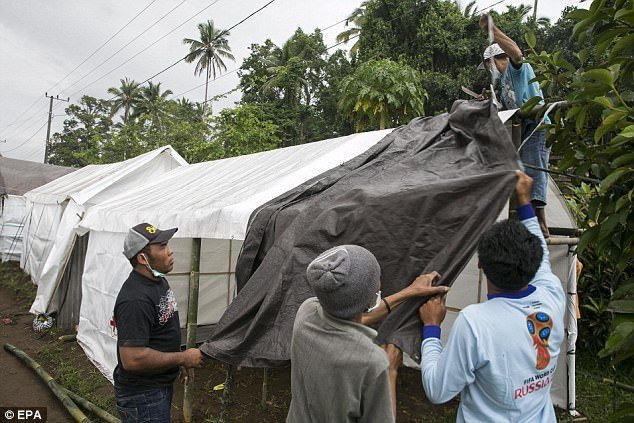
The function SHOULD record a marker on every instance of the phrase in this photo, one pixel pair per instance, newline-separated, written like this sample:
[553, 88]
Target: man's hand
[184, 375]
[432, 313]
[192, 357]
[523, 188]
[484, 22]
[422, 286]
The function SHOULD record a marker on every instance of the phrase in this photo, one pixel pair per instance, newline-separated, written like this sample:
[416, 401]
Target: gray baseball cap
[144, 234]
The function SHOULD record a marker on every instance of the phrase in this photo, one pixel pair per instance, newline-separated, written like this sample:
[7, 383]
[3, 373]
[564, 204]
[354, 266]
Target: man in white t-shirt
[501, 355]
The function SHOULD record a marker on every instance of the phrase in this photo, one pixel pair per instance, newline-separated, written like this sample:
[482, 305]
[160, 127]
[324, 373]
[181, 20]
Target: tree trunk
[206, 87]
[383, 119]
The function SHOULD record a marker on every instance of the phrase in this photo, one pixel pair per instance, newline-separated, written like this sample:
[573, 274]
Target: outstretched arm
[420, 287]
[509, 46]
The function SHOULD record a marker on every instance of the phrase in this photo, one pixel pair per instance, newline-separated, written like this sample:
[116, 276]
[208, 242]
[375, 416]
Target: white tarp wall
[56, 208]
[12, 209]
[212, 201]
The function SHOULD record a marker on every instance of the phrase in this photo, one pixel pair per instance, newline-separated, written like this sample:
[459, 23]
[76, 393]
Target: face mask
[495, 73]
[156, 273]
[376, 303]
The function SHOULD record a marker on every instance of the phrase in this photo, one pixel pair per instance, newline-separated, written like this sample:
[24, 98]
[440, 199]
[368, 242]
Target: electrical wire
[127, 44]
[217, 36]
[27, 140]
[84, 61]
[103, 45]
[144, 50]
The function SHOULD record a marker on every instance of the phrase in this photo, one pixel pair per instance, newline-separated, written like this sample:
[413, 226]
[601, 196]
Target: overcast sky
[43, 41]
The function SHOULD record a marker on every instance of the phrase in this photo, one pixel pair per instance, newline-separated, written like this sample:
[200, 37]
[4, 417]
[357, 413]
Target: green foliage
[87, 128]
[298, 82]
[595, 137]
[244, 129]
[382, 92]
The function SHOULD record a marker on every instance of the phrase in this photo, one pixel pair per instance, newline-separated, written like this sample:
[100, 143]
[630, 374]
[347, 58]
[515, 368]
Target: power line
[217, 36]
[127, 44]
[84, 61]
[104, 44]
[144, 50]
[27, 140]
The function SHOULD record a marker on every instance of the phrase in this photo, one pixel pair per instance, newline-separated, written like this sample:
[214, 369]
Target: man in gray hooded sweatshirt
[338, 374]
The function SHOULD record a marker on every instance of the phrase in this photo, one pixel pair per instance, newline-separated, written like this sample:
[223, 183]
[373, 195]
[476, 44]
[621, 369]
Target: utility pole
[535, 13]
[50, 118]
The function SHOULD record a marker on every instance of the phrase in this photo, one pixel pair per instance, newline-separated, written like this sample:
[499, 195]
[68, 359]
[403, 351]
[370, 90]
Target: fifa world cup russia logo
[539, 325]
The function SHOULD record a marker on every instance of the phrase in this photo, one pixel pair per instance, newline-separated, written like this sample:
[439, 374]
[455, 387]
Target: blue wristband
[525, 212]
[431, 332]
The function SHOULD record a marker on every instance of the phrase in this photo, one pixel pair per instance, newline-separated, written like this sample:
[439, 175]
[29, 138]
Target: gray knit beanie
[345, 279]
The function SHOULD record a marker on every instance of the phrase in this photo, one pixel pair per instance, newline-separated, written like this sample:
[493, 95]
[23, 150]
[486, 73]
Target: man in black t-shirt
[148, 330]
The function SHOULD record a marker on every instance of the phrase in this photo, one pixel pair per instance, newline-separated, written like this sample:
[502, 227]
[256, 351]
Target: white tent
[16, 178]
[212, 201]
[54, 209]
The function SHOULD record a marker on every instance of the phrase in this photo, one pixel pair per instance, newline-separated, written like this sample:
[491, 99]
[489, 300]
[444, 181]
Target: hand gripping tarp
[419, 200]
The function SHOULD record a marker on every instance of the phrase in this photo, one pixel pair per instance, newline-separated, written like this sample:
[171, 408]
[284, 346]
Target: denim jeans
[153, 405]
[535, 153]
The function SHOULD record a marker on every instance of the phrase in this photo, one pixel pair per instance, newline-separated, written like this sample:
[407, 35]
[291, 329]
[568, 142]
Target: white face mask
[156, 273]
[495, 73]
[376, 303]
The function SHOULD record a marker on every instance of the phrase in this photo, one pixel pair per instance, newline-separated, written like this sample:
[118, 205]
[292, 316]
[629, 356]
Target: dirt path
[19, 385]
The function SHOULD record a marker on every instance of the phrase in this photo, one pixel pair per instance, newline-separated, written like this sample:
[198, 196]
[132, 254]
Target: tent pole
[229, 273]
[192, 320]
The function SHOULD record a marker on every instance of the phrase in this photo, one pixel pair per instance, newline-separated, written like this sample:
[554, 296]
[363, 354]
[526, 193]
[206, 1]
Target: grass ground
[67, 363]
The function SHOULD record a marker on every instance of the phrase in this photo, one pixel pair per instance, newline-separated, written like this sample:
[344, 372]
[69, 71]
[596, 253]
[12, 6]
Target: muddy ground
[67, 363]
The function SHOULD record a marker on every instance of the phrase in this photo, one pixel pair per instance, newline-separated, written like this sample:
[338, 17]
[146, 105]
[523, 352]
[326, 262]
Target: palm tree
[209, 51]
[286, 75]
[127, 97]
[357, 17]
[153, 103]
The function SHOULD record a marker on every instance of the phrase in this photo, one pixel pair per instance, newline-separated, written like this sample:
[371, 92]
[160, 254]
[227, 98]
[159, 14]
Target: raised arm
[509, 46]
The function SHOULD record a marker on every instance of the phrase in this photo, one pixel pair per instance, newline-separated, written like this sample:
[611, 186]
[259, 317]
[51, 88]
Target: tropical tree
[245, 129]
[595, 138]
[356, 18]
[382, 92]
[153, 104]
[210, 50]
[87, 128]
[127, 97]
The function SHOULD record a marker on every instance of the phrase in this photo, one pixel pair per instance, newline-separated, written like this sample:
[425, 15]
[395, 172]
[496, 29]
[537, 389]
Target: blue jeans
[136, 406]
[535, 153]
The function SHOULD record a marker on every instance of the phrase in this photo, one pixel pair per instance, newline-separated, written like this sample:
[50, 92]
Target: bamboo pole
[71, 407]
[89, 406]
[192, 321]
[265, 386]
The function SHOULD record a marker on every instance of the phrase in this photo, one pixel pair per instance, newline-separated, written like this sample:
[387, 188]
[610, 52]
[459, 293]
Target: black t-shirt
[146, 315]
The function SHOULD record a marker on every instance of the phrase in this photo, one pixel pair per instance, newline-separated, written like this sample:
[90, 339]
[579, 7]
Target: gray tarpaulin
[20, 176]
[419, 200]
